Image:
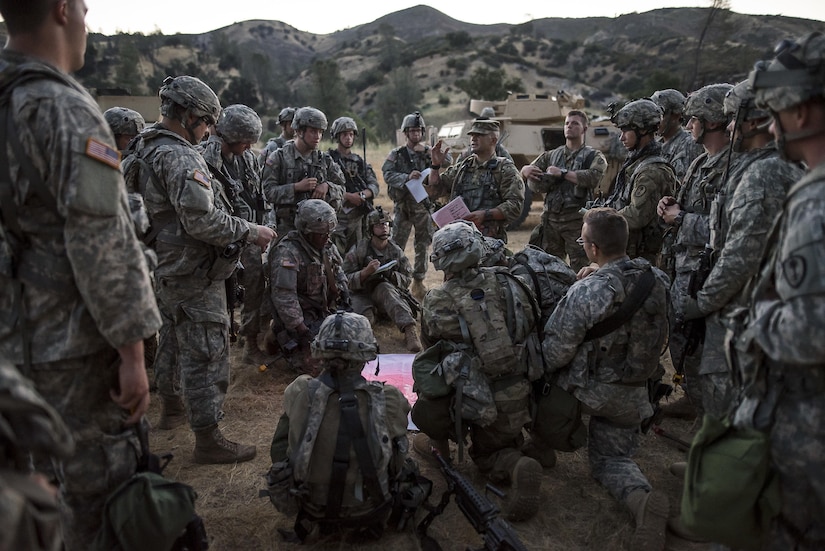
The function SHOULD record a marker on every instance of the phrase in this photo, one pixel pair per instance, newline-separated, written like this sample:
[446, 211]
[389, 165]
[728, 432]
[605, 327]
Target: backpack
[548, 276]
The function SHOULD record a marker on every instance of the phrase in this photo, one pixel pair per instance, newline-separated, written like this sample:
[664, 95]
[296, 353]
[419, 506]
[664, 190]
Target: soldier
[361, 186]
[789, 301]
[231, 161]
[298, 171]
[339, 415]
[287, 133]
[489, 185]
[608, 373]
[689, 217]
[678, 147]
[567, 176]
[306, 283]
[486, 114]
[75, 293]
[403, 164]
[125, 124]
[198, 243]
[485, 314]
[385, 292]
[644, 178]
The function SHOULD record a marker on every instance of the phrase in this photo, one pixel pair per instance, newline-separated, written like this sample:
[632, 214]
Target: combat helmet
[487, 112]
[377, 216]
[641, 115]
[670, 100]
[342, 124]
[239, 124]
[708, 103]
[413, 120]
[457, 246]
[192, 94]
[315, 216]
[286, 115]
[795, 75]
[124, 121]
[345, 335]
[309, 117]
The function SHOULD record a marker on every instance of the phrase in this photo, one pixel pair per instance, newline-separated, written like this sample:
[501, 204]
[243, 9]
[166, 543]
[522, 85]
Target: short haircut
[25, 16]
[580, 114]
[607, 229]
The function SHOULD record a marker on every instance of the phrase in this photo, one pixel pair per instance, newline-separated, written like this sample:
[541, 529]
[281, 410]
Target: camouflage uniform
[193, 213]
[85, 283]
[680, 151]
[645, 177]
[287, 166]
[495, 183]
[247, 200]
[300, 277]
[379, 292]
[561, 220]
[740, 218]
[358, 176]
[272, 144]
[406, 212]
[593, 370]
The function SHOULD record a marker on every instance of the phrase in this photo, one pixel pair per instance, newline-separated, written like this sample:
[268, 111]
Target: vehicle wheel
[525, 210]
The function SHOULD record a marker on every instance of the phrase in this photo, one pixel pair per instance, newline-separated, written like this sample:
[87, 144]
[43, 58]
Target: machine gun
[497, 533]
[693, 330]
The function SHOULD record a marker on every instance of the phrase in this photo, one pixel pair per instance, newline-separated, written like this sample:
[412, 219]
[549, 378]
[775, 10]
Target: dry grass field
[578, 514]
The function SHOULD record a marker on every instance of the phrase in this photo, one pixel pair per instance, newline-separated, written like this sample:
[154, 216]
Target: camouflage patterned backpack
[548, 276]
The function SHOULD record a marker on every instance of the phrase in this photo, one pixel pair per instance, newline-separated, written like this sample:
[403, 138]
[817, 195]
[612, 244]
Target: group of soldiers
[99, 258]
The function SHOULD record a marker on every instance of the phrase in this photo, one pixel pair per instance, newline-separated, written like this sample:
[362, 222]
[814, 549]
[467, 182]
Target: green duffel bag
[427, 372]
[557, 418]
[731, 494]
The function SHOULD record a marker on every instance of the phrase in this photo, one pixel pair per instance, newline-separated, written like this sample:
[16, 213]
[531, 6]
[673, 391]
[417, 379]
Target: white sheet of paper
[452, 211]
[416, 187]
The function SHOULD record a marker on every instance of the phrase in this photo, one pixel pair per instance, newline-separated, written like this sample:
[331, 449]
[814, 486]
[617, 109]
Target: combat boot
[423, 446]
[545, 456]
[418, 290]
[524, 497]
[252, 354]
[650, 510]
[411, 336]
[682, 408]
[678, 469]
[172, 413]
[677, 527]
[211, 447]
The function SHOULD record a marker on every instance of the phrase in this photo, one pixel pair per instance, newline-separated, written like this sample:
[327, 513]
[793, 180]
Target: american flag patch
[202, 179]
[286, 263]
[101, 152]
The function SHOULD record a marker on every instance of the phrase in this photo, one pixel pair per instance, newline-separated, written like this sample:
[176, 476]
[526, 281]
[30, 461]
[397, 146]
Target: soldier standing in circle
[567, 176]
[287, 133]
[233, 164]
[341, 441]
[198, 243]
[306, 283]
[678, 146]
[125, 124]
[75, 292]
[787, 391]
[485, 313]
[299, 171]
[489, 185]
[689, 216]
[607, 374]
[644, 178]
[385, 292]
[361, 186]
[403, 164]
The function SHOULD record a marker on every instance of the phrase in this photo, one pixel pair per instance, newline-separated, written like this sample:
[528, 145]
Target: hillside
[419, 58]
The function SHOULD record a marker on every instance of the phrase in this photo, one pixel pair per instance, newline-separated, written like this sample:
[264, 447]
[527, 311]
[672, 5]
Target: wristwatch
[563, 173]
[679, 218]
[362, 196]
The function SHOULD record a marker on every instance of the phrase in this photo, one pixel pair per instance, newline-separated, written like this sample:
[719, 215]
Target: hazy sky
[326, 16]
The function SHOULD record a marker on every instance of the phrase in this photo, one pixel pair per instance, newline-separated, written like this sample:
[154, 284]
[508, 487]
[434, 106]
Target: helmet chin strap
[189, 130]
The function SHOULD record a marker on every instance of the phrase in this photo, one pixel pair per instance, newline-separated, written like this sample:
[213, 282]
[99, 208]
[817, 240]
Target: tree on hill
[489, 84]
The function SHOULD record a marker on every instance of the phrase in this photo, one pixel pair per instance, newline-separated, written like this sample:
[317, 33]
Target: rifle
[497, 533]
[693, 330]
[234, 297]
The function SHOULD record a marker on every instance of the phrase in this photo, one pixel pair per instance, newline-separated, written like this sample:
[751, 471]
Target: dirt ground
[578, 513]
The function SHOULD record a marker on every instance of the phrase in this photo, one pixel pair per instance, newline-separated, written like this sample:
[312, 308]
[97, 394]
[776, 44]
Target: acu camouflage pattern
[789, 300]
[308, 430]
[285, 167]
[348, 336]
[379, 293]
[561, 219]
[644, 178]
[593, 370]
[680, 151]
[359, 176]
[407, 214]
[495, 183]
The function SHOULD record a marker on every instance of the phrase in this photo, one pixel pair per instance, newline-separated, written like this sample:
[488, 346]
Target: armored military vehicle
[534, 123]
